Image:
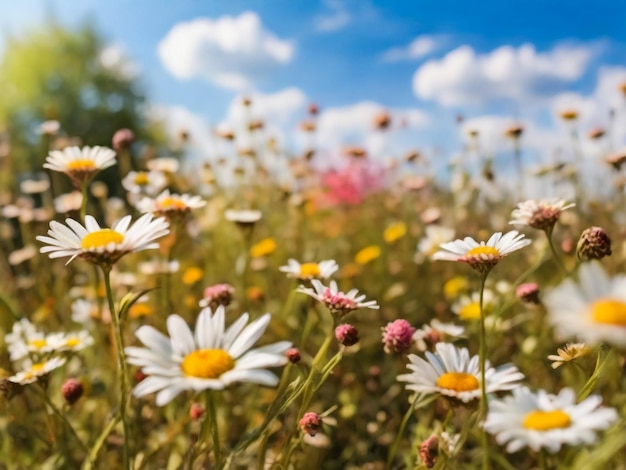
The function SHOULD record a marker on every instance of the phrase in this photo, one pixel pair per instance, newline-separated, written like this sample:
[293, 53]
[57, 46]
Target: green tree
[55, 73]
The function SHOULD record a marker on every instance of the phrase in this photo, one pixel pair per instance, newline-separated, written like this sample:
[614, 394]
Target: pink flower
[311, 423]
[397, 336]
[352, 183]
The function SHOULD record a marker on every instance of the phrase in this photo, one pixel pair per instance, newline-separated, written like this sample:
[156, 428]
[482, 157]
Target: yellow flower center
[72, 342]
[309, 270]
[483, 250]
[207, 363]
[171, 204]
[141, 179]
[610, 312]
[81, 165]
[470, 311]
[545, 420]
[100, 238]
[38, 343]
[458, 381]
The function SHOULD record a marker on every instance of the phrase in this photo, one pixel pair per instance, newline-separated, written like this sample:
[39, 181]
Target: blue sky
[494, 62]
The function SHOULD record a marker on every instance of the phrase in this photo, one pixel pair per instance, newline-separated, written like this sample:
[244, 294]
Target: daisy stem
[556, 256]
[543, 465]
[215, 435]
[483, 359]
[93, 453]
[83, 203]
[62, 417]
[394, 447]
[122, 372]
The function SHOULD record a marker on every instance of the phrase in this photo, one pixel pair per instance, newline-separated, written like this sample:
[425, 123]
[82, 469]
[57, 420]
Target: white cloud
[463, 77]
[230, 52]
[420, 47]
[354, 125]
[339, 17]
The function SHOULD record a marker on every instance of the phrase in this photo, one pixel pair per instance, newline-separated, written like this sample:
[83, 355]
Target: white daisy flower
[144, 182]
[74, 341]
[80, 164]
[25, 338]
[484, 255]
[102, 245]
[323, 269]
[210, 358]
[594, 309]
[436, 332]
[245, 217]
[32, 372]
[166, 204]
[435, 236]
[335, 300]
[541, 420]
[164, 165]
[541, 215]
[468, 306]
[451, 372]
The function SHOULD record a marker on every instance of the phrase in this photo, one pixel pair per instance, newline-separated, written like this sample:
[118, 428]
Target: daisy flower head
[468, 306]
[337, 302]
[102, 246]
[74, 341]
[568, 353]
[307, 271]
[210, 358]
[592, 309]
[144, 182]
[482, 256]
[540, 215]
[33, 371]
[435, 235]
[541, 420]
[452, 373]
[218, 294]
[436, 332]
[81, 165]
[172, 206]
[397, 336]
[243, 218]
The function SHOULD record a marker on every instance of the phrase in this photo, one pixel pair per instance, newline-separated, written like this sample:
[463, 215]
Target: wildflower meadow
[325, 309]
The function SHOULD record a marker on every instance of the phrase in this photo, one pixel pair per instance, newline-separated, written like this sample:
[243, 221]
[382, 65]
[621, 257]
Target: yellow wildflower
[367, 254]
[394, 232]
[265, 247]
[192, 275]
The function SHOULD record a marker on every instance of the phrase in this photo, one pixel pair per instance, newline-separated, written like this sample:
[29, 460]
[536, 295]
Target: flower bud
[293, 355]
[397, 336]
[311, 423]
[429, 450]
[196, 411]
[72, 390]
[528, 292]
[347, 334]
[594, 243]
[123, 139]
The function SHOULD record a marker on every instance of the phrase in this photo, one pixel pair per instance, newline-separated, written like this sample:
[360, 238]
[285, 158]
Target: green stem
[556, 256]
[83, 204]
[396, 443]
[215, 435]
[543, 464]
[61, 416]
[122, 371]
[93, 453]
[482, 361]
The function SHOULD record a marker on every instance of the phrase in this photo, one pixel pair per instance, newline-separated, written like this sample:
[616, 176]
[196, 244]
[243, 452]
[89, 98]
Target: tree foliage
[68, 75]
